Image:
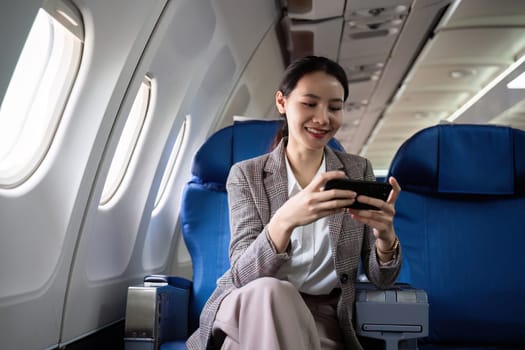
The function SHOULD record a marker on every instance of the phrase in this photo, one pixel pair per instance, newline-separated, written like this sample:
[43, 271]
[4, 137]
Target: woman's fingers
[319, 181]
[381, 205]
[396, 189]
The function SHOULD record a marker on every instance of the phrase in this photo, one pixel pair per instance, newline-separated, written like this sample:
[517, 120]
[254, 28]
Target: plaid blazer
[256, 189]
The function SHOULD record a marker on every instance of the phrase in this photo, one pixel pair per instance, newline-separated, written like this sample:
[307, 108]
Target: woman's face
[314, 110]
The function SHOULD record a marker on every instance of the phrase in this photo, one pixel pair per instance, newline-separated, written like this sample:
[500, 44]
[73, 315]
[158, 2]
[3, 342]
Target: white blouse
[310, 268]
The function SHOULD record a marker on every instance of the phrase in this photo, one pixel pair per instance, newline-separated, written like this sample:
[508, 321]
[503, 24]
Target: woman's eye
[335, 108]
[309, 104]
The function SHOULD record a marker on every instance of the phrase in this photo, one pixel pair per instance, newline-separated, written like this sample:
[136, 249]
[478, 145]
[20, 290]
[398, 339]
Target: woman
[295, 249]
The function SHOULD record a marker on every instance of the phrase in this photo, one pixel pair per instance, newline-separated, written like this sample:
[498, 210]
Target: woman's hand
[307, 206]
[382, 220]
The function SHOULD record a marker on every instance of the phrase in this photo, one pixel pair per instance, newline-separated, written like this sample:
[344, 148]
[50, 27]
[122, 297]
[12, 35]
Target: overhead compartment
[388, 36]
[314, 9]
[309, 38]
[313, 27]
[474, 44]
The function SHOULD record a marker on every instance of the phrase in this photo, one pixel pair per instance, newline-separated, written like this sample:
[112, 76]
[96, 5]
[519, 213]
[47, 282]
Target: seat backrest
[204, 207]
[461, 221]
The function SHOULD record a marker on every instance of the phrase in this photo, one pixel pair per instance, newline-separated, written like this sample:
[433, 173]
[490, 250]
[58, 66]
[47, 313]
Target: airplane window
[128, 141]
[38, 91]
[171, 162]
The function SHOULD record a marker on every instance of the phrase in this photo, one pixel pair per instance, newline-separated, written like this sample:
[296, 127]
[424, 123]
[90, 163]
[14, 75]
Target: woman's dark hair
[299, 68]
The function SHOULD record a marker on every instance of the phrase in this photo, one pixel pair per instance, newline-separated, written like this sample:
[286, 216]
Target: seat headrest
[462, 159]
[234, 143]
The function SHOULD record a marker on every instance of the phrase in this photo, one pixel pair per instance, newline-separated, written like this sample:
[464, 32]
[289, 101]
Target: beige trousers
[271, 314]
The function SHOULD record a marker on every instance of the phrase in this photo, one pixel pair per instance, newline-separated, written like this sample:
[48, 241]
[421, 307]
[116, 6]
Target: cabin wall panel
[132, 35]
[235, 17]
[194, 66]
[42, 217]
[70, 264]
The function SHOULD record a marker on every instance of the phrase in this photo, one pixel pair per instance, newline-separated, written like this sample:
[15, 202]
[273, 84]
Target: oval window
[38, 91]
[128, 141]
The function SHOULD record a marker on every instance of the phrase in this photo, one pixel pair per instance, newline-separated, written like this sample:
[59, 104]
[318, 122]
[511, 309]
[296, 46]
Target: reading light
[461, 73]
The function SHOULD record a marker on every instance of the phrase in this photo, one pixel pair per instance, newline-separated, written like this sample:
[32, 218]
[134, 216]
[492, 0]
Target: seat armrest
[156, 312]
[398, 316]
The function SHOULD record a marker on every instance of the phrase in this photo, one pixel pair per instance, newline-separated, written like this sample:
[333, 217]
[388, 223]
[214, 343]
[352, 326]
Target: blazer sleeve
[252, 254]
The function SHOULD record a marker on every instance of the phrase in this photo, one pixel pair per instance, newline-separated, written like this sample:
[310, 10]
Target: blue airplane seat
[461, 221]
[204, 211]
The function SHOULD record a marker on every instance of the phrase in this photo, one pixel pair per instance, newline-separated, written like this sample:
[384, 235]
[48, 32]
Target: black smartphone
[374, 189]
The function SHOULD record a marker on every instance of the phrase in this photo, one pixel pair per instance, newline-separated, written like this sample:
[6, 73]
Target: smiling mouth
[316, 132]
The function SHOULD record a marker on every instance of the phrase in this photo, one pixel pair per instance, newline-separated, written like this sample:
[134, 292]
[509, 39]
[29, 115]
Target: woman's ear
[280, 102]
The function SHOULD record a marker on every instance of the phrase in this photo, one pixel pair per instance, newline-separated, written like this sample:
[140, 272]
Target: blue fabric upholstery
[461, 221]
[204, 211]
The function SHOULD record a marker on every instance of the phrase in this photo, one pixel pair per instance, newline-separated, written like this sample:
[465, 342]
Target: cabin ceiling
[414, 63]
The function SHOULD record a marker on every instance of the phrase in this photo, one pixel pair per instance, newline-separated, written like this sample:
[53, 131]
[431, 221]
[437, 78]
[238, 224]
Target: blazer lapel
[334, 221]
[276, 180]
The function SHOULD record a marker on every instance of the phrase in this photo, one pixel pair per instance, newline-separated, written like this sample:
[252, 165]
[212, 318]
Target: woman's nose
[322, 116]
